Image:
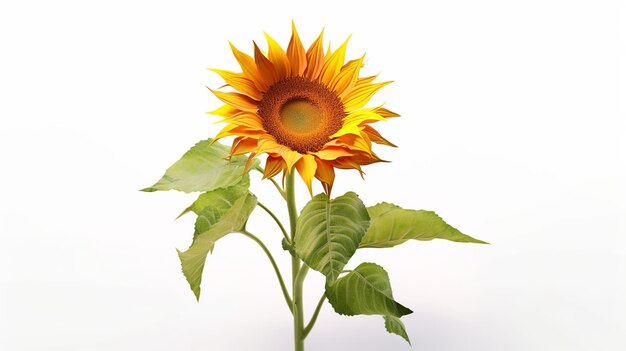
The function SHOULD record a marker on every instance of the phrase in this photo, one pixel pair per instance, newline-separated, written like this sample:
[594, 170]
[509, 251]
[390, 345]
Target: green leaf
[328, 232]
[365, 290]
[394, 325]
[204, 167]
[392, 225]
[211, 206]
[224, 214]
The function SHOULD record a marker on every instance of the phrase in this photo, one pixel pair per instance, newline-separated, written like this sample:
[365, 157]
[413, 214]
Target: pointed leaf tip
[392, 225]
[202, 168]
[365, 290]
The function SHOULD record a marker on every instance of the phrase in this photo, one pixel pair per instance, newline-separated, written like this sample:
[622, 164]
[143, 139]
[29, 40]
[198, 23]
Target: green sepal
[288, 247]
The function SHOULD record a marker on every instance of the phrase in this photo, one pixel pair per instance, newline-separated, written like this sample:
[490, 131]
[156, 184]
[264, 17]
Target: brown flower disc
[301, 114]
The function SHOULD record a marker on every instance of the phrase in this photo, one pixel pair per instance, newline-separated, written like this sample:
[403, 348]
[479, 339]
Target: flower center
[301, 114]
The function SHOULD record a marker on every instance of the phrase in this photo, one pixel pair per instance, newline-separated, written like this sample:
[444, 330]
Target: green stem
[297, 274]
[309, 326]
[298, 308]
[280, 277]
[280, 190]
[282, 229]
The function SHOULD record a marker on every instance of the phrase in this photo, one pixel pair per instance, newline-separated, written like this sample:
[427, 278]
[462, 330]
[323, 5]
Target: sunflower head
[303, 108]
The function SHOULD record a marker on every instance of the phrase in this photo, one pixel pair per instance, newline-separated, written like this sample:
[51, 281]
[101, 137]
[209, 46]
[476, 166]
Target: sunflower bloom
[303, 108]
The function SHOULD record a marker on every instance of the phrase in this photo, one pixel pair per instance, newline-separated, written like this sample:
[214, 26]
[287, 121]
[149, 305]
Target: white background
[513, 131]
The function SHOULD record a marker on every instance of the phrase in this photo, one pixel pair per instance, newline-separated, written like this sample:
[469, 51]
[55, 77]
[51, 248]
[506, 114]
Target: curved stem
[282, 229]
[280, 277]
[309, 326]
[280, 190]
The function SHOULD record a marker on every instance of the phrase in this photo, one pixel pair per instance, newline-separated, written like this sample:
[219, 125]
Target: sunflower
[303, 108]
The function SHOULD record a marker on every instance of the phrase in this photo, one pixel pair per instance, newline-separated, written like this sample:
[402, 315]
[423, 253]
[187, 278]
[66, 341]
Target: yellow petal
[365, 80]
[296, 53]
[240, 101]
[239, 82]
[348, 129]
[291, 157]
[235, 130]
[247, 119]
[226, 131]
[359, 96]
[267, 144]
[347, 77]
[315, 58]
[267, 72]
[307, 166]
[359, 117]
[273, 166]
[278, 57]
[225, 111]
[249, 68]
[333, 64]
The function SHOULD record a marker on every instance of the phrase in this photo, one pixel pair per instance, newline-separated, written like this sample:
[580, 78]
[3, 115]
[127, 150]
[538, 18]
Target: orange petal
[296, 53]
[333, 64]
[267, 72]
[376, 137]
[331, 153]
[239, 82]
[267, 144]
[307, 167]
[363, 158]
[249, 163]
[278, 57]
[273, 166]
[354, 142]
[240, 101]
[385, 113]
[359, 96]
[248, 67]
[325, 173]
[347, 163]
[243, 145]
[315, 58]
